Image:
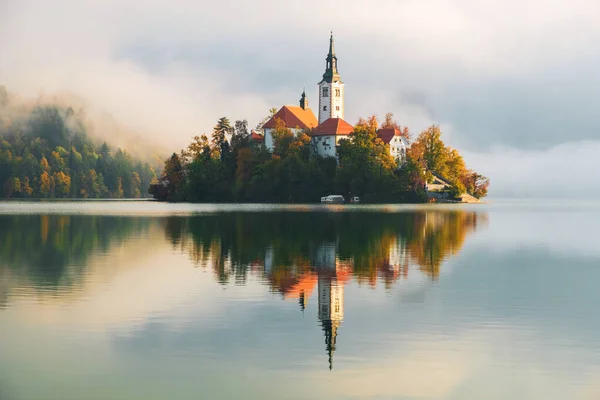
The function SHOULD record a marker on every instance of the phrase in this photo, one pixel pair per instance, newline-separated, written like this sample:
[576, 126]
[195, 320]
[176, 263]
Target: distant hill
[46, 152]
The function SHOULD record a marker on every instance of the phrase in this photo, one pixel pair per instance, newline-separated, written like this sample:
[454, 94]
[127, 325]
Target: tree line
[47, 153]
[231, 167]
[230, 244]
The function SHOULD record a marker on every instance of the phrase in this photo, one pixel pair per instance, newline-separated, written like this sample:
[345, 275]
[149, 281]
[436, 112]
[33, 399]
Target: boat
[333, 198]
[355, 199]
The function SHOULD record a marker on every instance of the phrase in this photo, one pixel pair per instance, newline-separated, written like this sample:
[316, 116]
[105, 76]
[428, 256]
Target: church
[330, 127]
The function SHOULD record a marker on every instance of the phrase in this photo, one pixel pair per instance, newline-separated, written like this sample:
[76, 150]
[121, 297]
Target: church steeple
[331, 72]
[304, 100]
[331, 88]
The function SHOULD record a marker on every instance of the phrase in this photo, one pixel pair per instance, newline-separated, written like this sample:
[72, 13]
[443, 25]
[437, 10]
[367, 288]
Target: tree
[475, 184]
[366, 167]
[241, 136]
[26, 188]
[119, 191]
[220, 132]
[44, 165]
[136, 183]
[16, 187]
[432, 151]
[62, 184]
[172, 180]
[282, 138]
[390, 123]
[45, 184]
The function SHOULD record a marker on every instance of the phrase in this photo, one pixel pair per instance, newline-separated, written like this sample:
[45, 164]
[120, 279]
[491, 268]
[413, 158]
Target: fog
[514, 85]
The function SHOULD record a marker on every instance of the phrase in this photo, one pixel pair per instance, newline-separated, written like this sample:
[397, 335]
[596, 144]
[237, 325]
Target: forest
[46, 152]
[232, 167]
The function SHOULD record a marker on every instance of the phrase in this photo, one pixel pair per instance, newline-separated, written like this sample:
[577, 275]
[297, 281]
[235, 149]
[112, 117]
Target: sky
[513, 85]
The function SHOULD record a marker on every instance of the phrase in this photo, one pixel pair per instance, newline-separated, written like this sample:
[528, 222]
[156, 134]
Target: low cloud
[566, 171]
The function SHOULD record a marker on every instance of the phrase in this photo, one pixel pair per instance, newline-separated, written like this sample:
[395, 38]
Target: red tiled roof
[294, 116]
[333, 126]
[387, 134]
[257, 138]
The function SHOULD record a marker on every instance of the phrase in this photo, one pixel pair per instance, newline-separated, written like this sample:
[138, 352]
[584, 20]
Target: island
[294, 157]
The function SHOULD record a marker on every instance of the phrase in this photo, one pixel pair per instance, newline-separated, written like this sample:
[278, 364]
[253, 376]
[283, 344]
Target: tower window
[325, 92]
[324, 108]
[337, 108]
[337, 92]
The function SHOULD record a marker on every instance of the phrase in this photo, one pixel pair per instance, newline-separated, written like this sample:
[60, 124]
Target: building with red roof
[296, 118]
[326, 136]
[397, 143]
[257, 138]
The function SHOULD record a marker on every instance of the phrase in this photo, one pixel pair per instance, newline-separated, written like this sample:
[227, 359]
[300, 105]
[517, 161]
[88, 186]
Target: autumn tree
[136, 184]
[45, 184]
[62, 184]
[282, 138]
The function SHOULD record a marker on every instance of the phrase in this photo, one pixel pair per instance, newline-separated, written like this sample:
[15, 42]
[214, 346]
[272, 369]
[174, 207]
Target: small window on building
[324, 108]
[337, 108]
[337, 92]
[325, 92]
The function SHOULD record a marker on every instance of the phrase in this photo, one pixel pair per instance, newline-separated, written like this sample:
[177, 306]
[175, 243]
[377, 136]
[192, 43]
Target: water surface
[143, 300]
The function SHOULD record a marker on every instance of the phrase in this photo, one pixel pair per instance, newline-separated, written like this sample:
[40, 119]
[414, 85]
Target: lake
[142, 300]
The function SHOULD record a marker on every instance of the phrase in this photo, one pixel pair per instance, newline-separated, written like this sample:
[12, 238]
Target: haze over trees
[231, 167]
[45, 152]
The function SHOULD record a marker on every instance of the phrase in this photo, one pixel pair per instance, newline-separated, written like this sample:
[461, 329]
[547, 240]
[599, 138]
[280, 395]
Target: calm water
[140, 300]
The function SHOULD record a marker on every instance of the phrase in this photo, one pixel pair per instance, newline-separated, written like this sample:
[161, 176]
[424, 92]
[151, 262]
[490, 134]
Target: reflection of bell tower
[331, 310]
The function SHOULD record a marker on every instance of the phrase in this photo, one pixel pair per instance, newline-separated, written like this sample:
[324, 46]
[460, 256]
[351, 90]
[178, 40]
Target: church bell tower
[331, 88]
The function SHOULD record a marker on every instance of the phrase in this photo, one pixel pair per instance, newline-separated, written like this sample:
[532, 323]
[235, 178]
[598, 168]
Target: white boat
[333, 198]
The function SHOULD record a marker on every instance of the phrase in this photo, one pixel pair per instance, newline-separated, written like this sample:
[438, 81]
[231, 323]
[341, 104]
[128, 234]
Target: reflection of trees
[439, 235]
[284, 248]
[51, 250]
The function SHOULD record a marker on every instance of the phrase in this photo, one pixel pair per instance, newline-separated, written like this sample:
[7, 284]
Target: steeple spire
[331, 70]
[331, 49]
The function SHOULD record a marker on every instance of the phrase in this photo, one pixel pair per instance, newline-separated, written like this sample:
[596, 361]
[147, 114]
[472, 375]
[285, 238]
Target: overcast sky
[513, 82]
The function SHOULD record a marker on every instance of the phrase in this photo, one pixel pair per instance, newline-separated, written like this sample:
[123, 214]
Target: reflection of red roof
[387, 134]
[257, 138]
[333, 126]
[305, 285]
[294, 116]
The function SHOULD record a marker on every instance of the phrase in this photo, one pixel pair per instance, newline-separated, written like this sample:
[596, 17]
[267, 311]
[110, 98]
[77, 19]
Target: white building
[330, 128]
[295, 118]
[396, 141]
[326, 137]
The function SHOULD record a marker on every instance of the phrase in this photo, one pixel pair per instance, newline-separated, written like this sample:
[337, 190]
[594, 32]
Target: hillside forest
[46, 152]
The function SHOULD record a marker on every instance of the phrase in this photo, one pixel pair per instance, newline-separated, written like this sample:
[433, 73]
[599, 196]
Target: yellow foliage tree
[62, 183]
[45, 183]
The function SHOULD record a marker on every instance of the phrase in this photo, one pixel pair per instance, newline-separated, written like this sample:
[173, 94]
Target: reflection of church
[331, 275]
[331, 310]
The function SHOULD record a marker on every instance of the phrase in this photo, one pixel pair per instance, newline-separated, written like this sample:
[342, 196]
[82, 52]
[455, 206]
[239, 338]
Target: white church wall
[324, 102]
[269, 143]
[325, 145]
[269, 139]
[337, 100]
